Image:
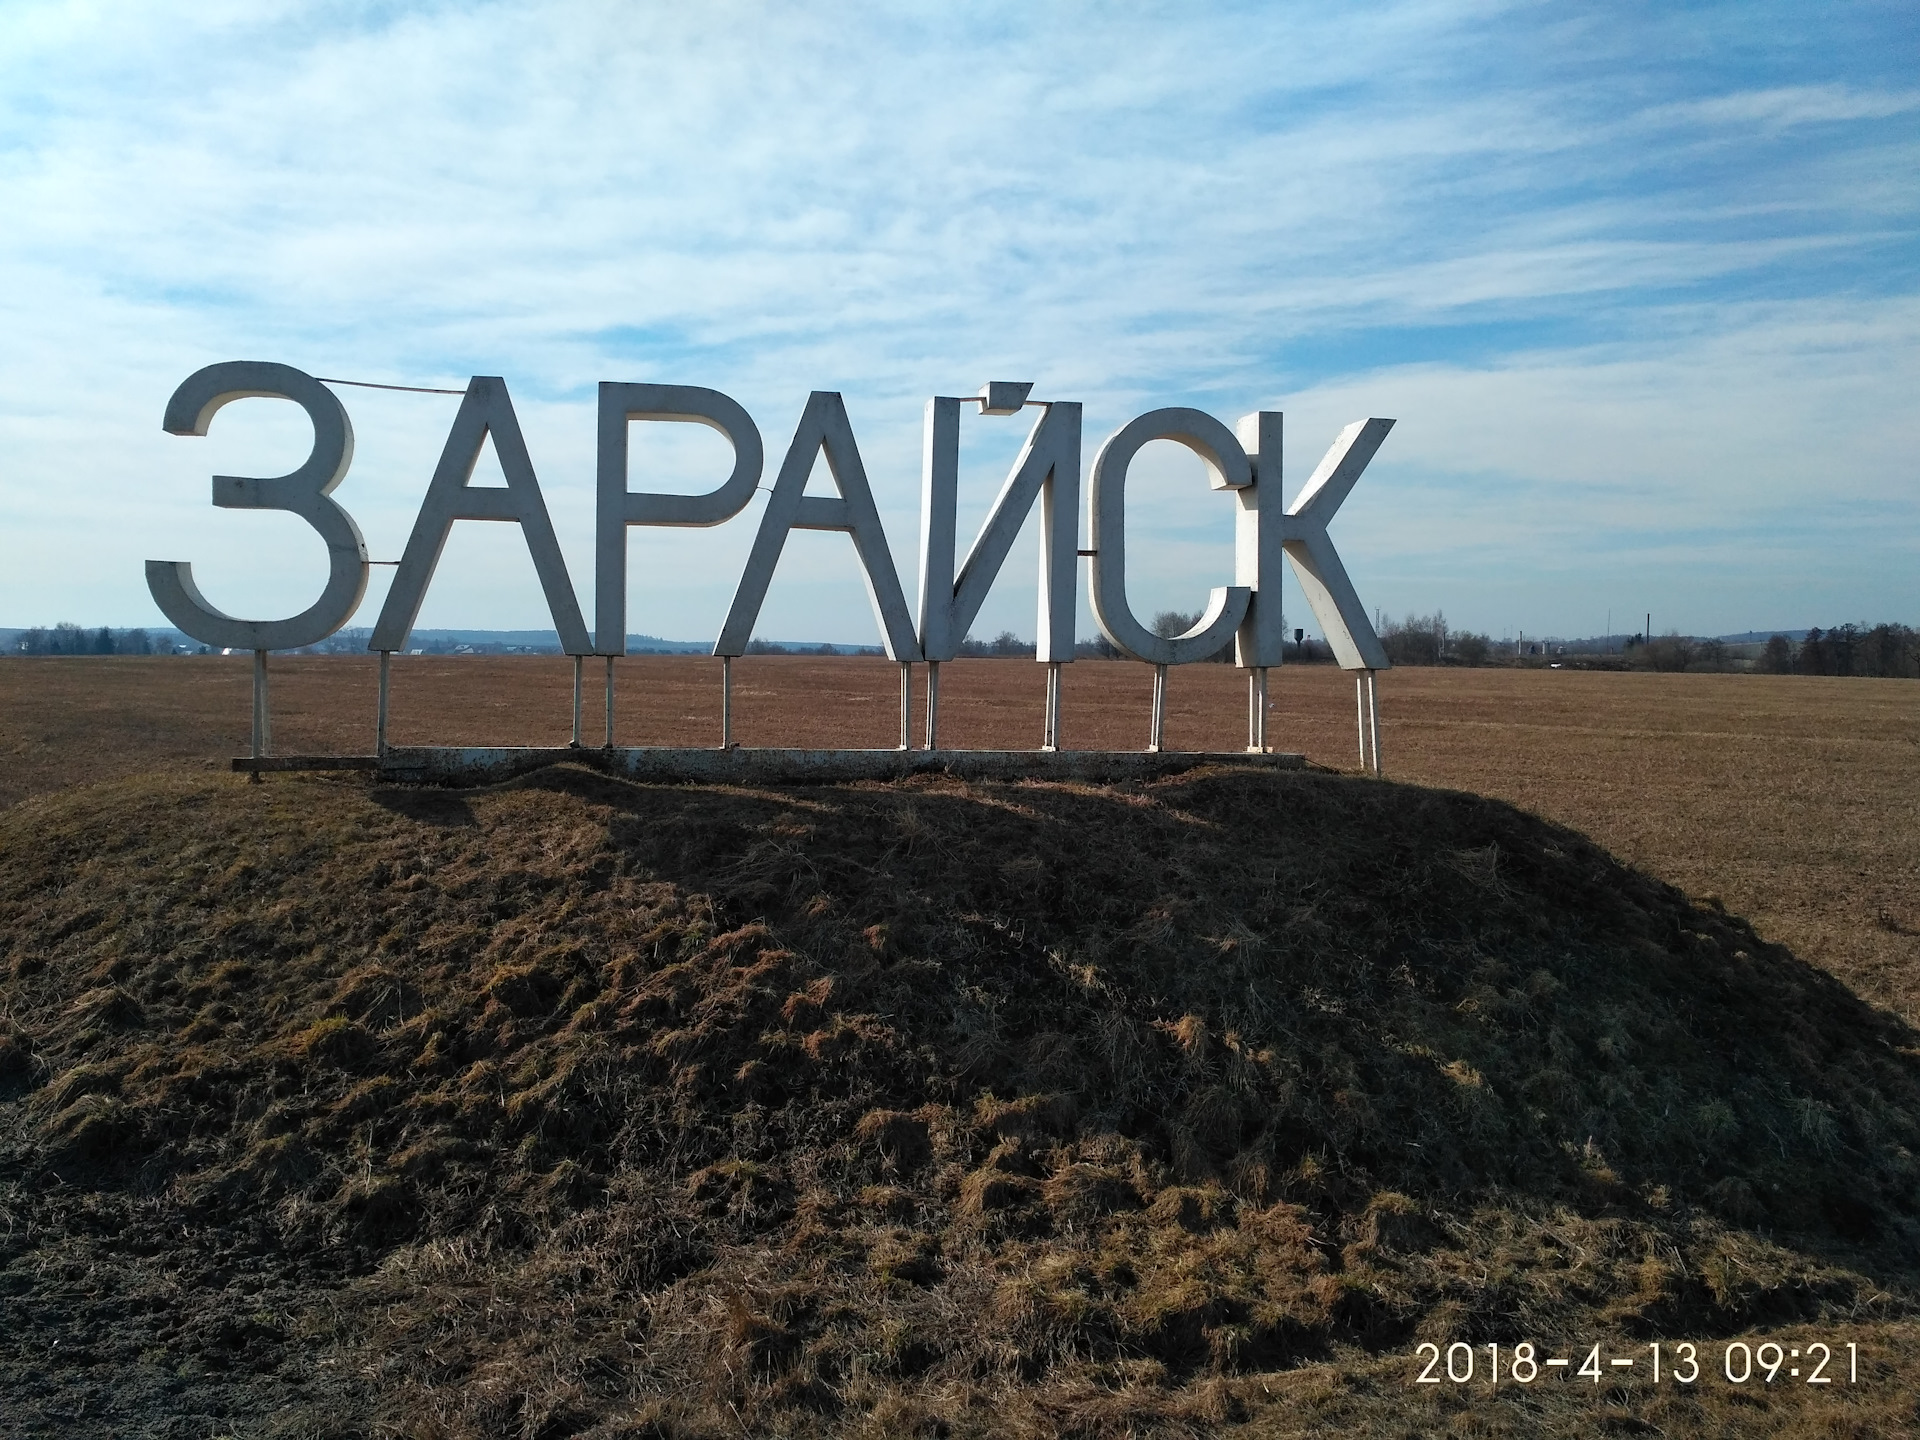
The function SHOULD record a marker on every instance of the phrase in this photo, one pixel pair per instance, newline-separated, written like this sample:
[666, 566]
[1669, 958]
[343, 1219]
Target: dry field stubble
[1795, 801]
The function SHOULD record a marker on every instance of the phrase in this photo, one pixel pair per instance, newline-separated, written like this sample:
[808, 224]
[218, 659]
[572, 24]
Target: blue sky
[1640, 284]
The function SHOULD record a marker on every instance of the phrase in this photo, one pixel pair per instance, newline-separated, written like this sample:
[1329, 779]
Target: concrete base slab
[271, 764]
[456, 764]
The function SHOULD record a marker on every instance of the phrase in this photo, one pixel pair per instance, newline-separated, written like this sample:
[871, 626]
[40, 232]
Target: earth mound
[570, 1106]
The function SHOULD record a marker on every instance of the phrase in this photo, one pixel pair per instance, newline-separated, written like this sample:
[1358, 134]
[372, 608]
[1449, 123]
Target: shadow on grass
[427, 804]
[576, 1097]
[1430, 993]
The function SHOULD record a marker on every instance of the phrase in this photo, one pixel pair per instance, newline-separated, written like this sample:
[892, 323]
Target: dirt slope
[572, 1106]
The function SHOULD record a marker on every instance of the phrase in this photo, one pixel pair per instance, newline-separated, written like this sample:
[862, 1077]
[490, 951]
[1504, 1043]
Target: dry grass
[571, 1107]
[1793, 800]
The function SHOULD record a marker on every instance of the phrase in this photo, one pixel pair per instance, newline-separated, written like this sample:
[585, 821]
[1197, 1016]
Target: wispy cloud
[1782, 107]
[1582, 254]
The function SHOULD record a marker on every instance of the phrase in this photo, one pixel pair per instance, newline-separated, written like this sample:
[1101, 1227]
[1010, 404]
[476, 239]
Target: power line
[375, 385]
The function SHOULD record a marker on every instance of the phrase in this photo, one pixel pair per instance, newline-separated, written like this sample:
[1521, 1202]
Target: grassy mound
[928, 1108]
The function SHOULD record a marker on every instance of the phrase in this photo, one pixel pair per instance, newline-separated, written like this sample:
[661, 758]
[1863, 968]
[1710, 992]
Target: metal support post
[609, 702]
[262, 712]
[726, 702]
[1157, 732]
[1367, 697]
[1360, 710]
[380, 713]
[577, 660]
[1257, 710]
[1052, 740]
[906, 705]
[1373, 716]
[933, 705]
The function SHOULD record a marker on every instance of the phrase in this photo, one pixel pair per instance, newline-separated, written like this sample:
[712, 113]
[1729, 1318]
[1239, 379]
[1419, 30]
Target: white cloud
[1784, 106]
[1138, 206]
[1735, 469]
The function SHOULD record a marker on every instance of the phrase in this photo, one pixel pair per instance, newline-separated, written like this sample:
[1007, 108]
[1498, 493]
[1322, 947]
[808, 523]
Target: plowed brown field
[1794, 800]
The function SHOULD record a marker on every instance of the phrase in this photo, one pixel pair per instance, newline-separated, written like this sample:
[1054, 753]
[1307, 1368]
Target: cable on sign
[376, 385]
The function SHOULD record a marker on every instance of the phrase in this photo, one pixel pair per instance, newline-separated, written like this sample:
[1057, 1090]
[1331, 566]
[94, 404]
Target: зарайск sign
[1246, 464]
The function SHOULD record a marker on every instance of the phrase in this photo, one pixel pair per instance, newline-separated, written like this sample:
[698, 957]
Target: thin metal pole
[1157, 731]
[380, 722]
[262, 713]
[726, 702]
[906, 705]
[609, 702]
[577, 660]
[1373, 716]
[1052, 740]
[1360, 703]
[933, 705]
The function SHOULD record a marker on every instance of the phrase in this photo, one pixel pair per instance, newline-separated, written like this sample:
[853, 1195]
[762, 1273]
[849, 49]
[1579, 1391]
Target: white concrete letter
[618, 507]
[823, 426]
[486, 409]
[306, 492]
[1303, 531]
[1227, 469]
[1048, 468]
[1259, 548]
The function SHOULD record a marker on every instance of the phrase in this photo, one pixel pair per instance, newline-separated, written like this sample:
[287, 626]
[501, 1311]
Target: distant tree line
[1006, 644]
[1884, 650]
[1427, 640]
[66, 639]
[78, 640]
[770, 647]
[1673, 653]
[1890, 650]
